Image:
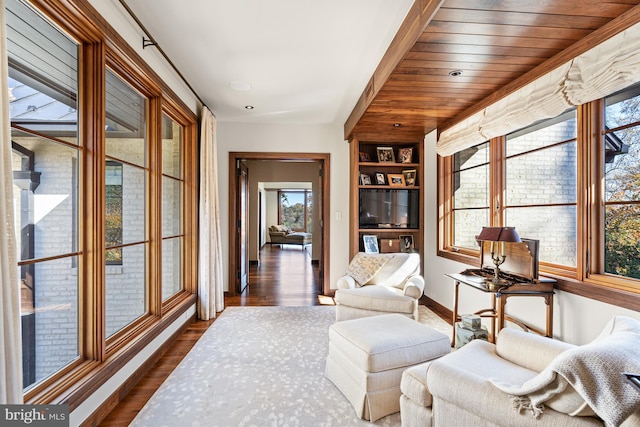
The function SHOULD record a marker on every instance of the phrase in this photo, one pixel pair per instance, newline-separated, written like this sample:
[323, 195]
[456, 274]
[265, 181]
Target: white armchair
[528, 380]
[380, 284]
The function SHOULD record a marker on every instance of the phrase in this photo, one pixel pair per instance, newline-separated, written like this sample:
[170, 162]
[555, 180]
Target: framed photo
[406, 243]
[365, 179]
[395, 180]
[409, 177]
[385, 155]
[381, 179]
[405, 155]
[370, 244]
[364, 157]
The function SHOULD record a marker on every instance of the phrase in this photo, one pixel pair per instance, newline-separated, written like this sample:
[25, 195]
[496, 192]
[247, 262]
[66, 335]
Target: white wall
[576, 319]
[261, 137]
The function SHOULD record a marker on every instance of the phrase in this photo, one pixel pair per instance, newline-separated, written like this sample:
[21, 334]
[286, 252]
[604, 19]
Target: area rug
[259, 366]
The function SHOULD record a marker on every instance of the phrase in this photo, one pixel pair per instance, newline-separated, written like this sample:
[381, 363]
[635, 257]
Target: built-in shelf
[370, 175]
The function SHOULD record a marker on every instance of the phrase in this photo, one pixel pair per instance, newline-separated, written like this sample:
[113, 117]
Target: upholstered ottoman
[368, 355]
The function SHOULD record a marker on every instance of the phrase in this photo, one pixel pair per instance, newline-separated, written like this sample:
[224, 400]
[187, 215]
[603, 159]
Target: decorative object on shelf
[380, 178]
[498, 236]
[409, 177]
[365, 179]
[405, 155]
[395, 180]
[385, 155]
[406, 243]
[390, 246]
[364, 157]
[370, 244]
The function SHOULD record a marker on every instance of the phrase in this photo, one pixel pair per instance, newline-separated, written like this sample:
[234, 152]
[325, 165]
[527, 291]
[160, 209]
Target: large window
[172, 189]
[43, 84]
[126, 145]
[105, 210]
[470, 194]
[540, 187]
[295, 208]
[621, 201]
[571, 182]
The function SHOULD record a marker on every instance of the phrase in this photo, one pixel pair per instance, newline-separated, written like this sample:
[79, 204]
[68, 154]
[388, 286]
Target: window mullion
[496, 181]
[91, 225]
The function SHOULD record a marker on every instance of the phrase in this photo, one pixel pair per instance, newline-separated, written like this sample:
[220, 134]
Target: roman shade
[601, 71]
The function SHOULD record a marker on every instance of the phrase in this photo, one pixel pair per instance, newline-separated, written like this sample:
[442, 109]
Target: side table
[542, 288]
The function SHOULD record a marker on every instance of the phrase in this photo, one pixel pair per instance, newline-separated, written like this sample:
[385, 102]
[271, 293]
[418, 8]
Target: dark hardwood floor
[285, 276]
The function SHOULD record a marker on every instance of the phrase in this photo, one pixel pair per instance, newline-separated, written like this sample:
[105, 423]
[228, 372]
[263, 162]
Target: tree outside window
[621, 143]
[295, 209]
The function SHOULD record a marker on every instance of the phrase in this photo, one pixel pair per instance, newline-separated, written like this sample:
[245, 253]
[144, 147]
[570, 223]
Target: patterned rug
[260, 366]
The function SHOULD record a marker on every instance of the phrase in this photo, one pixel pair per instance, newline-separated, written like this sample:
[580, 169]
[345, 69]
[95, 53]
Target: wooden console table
[542, 288]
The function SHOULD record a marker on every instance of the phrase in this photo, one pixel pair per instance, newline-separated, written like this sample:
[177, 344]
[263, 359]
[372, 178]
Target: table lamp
[498, 235]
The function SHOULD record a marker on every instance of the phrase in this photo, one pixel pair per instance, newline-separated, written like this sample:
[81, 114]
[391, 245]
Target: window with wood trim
[621, 193]
[105, 214]
[295, 209]
[577, 192]
[470, 195]
[43, 84]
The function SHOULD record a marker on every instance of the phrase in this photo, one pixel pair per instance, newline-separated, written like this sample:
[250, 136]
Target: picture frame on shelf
[409, 177]
[395, 180]
[380, 178]
[405, 155]
[364, 157]
[365, 179]
[370, 244]
[406, 242]
[385, 155]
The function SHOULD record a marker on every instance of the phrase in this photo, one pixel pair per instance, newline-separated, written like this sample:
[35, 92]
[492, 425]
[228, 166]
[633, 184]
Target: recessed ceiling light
[455, 73]
[249, 107]
[240, 86]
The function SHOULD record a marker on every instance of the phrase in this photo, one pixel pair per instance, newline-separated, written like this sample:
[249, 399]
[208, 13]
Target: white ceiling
[307, 61]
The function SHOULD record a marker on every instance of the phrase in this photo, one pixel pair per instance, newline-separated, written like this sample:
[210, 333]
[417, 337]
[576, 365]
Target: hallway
[285, 276]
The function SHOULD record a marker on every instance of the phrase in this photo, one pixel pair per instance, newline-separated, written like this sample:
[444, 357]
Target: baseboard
[254, 262]
[315, 262]
[439, 309]
[118, 395]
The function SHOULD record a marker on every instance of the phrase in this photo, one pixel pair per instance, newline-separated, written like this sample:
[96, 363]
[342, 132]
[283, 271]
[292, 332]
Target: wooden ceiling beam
[419, 16]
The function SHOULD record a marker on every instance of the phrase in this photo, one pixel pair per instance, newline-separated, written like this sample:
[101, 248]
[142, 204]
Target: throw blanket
[595, 373]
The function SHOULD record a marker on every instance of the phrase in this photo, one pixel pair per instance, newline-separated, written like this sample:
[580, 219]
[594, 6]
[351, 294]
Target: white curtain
[607, 68]
[210, 278]
[10, 334]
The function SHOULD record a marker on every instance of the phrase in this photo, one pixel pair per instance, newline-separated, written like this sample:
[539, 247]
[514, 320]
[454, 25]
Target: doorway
[320, 239]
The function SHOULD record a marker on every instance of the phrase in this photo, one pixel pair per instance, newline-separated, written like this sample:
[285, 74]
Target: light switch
[338, 215]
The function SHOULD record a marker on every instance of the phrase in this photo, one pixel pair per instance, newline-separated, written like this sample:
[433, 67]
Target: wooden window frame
[586, 281]
[99, 358]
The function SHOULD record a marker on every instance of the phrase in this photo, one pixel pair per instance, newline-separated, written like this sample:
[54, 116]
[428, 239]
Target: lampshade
[498, 234]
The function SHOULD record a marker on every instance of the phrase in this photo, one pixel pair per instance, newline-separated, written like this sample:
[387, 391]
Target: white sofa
[481, 383]
[380, 284]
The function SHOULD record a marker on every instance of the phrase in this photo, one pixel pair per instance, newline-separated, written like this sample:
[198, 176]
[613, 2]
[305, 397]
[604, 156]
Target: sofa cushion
[376, 298]
[364, 266]
[414, 384]
[396, 272]
[389, 341]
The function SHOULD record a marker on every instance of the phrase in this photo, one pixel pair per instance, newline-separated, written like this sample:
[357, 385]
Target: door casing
[324, 159]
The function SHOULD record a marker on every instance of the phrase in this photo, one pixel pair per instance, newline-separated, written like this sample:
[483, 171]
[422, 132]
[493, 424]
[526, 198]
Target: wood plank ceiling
[497, 45]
